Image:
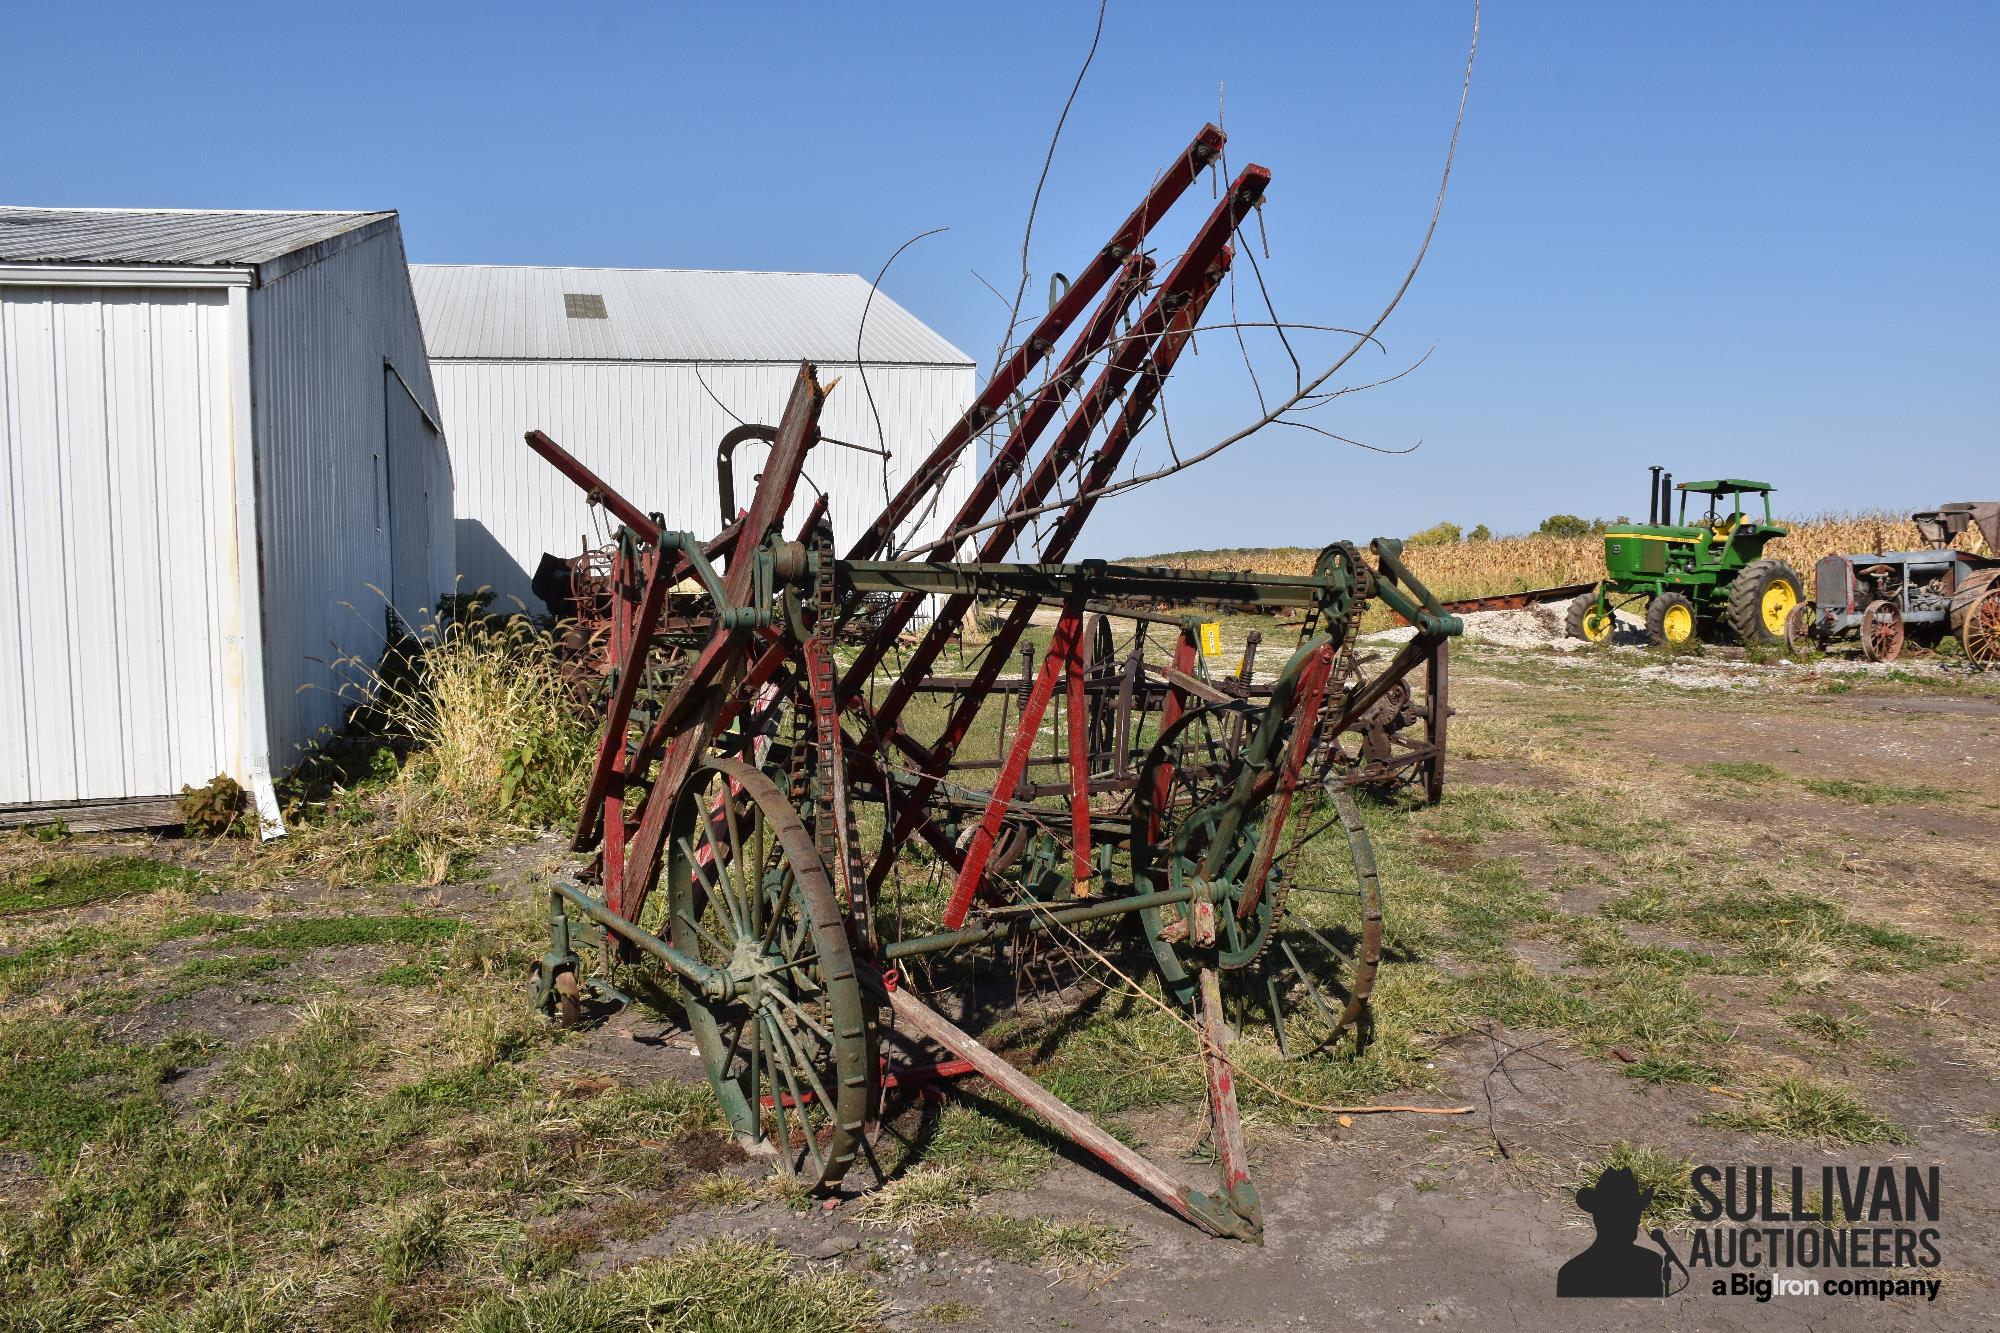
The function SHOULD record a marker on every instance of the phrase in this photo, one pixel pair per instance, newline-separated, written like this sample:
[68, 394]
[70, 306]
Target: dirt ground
[1738, 923]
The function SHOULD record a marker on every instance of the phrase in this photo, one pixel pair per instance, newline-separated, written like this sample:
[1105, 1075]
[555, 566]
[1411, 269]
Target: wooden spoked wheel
[790, 1052]
[1882, 631]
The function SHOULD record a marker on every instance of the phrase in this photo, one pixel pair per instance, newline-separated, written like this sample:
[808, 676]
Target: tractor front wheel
[1761, 598]
[1588, 620]
[1882, 632]
[1670, 621]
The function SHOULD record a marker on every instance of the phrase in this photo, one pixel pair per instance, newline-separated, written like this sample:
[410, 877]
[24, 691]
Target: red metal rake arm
[930, 474]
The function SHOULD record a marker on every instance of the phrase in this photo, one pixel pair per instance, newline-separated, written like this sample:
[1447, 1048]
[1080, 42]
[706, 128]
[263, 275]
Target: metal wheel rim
[1677, 625]
[1776, 604]
[1161, 843]
[1296, 969]
[790, 1056]
[1881, 632]
[1981, 639]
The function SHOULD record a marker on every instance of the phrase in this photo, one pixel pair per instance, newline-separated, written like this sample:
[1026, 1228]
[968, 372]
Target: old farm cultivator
[786, 813]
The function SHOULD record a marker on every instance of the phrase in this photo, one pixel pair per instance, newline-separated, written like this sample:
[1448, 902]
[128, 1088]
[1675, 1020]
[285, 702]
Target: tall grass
[1513, 564]
[494, 742]
[495, 724]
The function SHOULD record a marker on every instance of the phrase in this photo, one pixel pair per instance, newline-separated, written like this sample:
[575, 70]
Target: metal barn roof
[487, 312]
[165, 236]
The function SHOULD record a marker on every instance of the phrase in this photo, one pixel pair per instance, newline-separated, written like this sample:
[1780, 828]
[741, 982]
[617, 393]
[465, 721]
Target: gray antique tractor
[1887, 598]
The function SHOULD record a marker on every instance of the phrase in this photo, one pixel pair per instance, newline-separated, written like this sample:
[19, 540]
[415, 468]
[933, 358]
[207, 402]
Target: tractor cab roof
[1727, 486]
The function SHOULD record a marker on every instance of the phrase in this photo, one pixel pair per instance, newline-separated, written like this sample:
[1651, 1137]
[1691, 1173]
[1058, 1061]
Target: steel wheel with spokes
[1981, 634]
[790, 1053]
[1882, 631]
[1297, 953]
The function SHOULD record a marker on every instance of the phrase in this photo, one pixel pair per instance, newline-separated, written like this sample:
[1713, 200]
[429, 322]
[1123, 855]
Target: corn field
[1511, 564]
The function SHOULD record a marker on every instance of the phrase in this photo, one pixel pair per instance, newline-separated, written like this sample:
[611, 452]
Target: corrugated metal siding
[651, 431]
[418, 474]
[319, 339]
[117, 657]
[485, 312]
[164, 236]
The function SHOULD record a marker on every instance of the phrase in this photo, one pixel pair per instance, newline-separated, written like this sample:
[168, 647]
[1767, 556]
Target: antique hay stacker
[785, 816]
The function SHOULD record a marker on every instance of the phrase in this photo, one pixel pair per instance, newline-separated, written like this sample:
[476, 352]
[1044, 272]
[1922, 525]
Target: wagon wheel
[1882, 631]
[1979, 632]
[790, 1053]
[1296, 958]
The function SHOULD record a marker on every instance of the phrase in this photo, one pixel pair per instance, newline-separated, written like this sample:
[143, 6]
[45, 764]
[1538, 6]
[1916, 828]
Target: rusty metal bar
[1124, 242]
[920, 1018]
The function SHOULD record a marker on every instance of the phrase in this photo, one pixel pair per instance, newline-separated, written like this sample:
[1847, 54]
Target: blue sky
[1733, 239]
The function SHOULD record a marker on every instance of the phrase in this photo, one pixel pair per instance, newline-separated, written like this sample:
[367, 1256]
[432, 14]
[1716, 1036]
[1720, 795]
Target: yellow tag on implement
[1211, 639]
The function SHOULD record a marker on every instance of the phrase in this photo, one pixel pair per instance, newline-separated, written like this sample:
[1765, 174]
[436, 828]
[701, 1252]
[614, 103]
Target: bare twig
[861, 366]
[1034, 204]
[1311, 389]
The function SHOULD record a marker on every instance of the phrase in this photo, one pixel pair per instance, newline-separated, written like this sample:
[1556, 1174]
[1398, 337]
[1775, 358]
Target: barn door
[411, 444]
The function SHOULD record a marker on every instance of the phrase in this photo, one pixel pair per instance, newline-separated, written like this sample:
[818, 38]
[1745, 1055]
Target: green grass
[719, 1188]
[296, 934]
[1800, 1107]
[722, 1285]
[64, 1084]
[1834, 1030]
[299, 1146]
[1665, 1175]
[1755, 773]
[1745, 771]
[1050, 1244]
[198, 974]
[77, 880]
[1876, 793]
[418, 973]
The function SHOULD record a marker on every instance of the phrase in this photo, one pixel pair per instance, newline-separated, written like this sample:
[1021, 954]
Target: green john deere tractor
[1709, 575]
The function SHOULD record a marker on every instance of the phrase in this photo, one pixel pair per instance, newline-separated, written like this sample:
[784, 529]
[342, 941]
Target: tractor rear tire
[1670, 621]
[1584, 621]
[1975, 617]
[1760, 599]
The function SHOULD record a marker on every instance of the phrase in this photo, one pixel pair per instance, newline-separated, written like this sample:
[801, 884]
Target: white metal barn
[218, 439]
[640, 372]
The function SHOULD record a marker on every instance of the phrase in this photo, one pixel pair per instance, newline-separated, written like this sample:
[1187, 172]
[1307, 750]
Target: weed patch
[716, 1286]
[1805, 1108]
[65, 1084]
[1665, 1176]
[1876, 793]
[76, 880]
[1086, 1247]
[1749, 772]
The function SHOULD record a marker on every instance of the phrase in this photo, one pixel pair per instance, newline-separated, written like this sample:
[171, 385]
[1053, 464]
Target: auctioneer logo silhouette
[1614, 1264]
